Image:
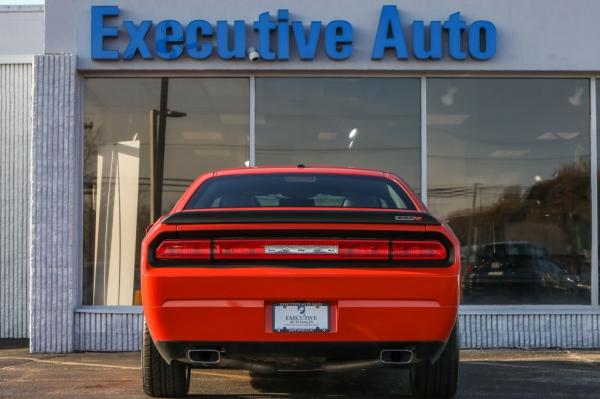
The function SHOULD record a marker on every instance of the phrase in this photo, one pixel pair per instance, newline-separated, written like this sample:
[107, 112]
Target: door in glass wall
[145, 135]
[508, 163]
[360, 122]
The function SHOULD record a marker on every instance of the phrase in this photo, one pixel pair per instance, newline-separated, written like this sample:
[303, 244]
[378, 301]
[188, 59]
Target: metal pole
[157, 156]
[152, 125]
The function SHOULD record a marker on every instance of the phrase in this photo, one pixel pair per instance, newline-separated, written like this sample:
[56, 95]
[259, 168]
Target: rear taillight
[229, 249]
[300, 249]
[418, 250]
[469, 269]
[183, 249]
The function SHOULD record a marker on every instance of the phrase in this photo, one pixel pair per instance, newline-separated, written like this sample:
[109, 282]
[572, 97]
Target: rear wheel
[161, 379]
[440, 379]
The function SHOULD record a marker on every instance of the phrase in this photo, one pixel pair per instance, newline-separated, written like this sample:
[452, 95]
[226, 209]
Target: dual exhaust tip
[204, 356]
[396, 356]
[387, 356]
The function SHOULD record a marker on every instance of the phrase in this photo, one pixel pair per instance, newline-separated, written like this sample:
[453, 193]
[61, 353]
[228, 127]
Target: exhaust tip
[396, 356]
[204, 356]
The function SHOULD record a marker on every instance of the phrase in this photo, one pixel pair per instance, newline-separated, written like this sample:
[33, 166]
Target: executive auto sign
[279, 38]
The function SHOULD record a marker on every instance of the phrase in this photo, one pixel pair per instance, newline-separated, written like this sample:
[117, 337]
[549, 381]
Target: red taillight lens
[469, 269]
[368, 250]
[183, 249]
[300, 249]
[418, 250]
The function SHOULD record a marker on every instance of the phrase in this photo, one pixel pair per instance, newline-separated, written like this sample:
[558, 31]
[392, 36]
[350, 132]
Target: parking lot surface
[484, 374]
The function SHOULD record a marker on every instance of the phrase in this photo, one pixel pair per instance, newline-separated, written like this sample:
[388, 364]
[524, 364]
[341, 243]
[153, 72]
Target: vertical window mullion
[252, 121]
[424, 140]
[594, 189]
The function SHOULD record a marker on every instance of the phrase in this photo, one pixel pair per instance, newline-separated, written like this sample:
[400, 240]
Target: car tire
[438, 379]
[161, 379]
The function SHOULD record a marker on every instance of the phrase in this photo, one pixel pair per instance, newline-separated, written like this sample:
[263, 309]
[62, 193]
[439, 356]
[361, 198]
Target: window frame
[593, 307]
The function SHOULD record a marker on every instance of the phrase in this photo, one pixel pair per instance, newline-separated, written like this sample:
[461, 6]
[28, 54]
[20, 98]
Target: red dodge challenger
[300, 268]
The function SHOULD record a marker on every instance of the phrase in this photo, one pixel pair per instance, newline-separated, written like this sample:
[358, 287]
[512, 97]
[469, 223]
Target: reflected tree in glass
[509, 171]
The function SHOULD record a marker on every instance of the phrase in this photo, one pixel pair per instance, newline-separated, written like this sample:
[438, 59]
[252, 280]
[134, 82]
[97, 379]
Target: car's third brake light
[418, 250]
[300, 249]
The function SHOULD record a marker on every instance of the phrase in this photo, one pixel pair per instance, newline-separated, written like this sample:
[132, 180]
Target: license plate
[300, 317]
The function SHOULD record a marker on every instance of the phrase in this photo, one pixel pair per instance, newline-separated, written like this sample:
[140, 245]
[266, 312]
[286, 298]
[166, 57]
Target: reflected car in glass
[521, 266]
[274, 269]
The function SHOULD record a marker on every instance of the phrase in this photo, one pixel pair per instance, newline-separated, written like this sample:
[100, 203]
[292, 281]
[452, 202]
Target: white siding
[102, 330]
[108, 330]
[15, 128]
[530, 330]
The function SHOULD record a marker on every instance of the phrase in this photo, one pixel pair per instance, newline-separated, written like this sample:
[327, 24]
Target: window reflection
[206, 128]
[509, 171]
[508, 165]
[360, 122]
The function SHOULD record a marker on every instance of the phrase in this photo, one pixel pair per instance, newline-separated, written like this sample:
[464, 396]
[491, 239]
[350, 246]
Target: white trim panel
[16, 59]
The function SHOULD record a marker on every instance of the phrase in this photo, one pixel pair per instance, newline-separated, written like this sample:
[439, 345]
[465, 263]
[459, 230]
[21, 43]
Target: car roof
[300, 169]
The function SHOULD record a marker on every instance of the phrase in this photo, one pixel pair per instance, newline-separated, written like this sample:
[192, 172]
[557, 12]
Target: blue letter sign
[280, 37]
[100, 31]
[389, 21]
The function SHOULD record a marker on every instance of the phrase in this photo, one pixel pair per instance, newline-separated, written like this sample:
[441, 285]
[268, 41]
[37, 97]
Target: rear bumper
[235, 305]
[350, 320]
[272, 356]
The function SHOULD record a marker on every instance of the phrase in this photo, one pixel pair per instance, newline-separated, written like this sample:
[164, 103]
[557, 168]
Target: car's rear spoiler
[299, 216]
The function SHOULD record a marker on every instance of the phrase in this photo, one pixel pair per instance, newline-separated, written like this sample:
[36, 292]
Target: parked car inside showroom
[514, 265]
[274, 269]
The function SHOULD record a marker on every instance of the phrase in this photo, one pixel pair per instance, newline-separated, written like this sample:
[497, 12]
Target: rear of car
[518, 266]
[271, 269]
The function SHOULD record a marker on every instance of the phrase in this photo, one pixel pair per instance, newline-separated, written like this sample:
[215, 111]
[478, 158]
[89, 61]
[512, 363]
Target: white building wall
[532, 35]
[21, 30]
[21, 36]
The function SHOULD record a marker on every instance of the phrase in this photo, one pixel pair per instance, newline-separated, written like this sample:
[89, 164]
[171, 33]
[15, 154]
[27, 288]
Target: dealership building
[109, 110]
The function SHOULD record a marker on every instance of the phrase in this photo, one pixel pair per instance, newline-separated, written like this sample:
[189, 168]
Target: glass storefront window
[508, 169]
[361, 122]
[205, 128]
[508, 165]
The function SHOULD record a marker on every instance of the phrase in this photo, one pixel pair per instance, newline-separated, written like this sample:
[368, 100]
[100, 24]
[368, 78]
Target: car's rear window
[299, 190]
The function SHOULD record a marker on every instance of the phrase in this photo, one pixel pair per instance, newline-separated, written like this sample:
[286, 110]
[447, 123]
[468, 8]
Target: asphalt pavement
[483, 374]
